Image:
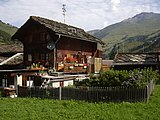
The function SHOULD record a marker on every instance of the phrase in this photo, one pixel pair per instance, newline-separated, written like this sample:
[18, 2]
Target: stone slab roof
[13, 60]
[61, 28]
[136, 58]
[11, 48]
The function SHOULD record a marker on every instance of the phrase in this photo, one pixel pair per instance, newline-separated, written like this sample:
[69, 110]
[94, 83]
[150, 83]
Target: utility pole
[64, 11]
[123, 46]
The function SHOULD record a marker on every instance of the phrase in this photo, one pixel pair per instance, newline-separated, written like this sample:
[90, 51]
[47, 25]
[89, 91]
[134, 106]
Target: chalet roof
[14, 60]
[136, 58]
[63, 29]
[3, 58]
[11, 48]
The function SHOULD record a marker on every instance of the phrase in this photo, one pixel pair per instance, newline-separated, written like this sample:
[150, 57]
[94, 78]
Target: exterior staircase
[45, 83]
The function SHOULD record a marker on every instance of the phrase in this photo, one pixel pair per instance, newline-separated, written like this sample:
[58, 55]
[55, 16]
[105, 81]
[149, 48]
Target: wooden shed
[57, 46]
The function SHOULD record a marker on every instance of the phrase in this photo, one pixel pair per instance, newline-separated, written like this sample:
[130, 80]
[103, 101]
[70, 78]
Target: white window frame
[4, 82]
[29, 57]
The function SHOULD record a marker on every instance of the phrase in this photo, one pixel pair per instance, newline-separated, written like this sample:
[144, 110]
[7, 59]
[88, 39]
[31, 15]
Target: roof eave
[95, 41]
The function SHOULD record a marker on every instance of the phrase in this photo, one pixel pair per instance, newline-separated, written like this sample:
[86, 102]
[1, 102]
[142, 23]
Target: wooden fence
[95, 94]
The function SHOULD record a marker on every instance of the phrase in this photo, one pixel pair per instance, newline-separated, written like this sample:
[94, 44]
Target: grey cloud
[87, 14]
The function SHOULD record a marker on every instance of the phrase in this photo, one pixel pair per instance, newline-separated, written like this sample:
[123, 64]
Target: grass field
[38, 109]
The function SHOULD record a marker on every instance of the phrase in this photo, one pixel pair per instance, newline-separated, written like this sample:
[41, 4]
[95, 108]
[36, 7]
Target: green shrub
[135, 78]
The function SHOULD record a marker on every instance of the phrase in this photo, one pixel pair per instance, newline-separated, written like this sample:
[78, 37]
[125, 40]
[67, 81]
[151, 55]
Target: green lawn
[38, 109]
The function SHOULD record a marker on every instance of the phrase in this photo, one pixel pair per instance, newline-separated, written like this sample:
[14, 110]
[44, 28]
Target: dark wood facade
[37, 34]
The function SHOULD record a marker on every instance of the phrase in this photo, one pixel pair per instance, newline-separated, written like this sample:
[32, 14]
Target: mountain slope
[6, 31]
[92, 32]
[140, 33]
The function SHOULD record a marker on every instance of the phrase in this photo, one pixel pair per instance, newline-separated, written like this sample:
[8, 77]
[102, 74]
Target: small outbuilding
[130, 61]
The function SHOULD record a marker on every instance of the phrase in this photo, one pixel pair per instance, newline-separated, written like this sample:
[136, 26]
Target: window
[30, 81]
[42, 37]
[72, 30]
[36, 57]
[47, 56]
[29, 57]
[42, 57]
[4, 81]
[48, 37]
[51, 56]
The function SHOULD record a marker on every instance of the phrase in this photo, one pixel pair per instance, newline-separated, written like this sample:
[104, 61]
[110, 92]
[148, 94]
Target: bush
[135, 78]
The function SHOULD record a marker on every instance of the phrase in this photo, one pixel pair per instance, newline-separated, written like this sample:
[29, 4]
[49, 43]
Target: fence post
[60, 93]
[17, 90]
[29, 88]
[147, 93]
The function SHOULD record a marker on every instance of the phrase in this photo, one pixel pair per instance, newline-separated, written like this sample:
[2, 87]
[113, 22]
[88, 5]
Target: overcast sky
[86, 14]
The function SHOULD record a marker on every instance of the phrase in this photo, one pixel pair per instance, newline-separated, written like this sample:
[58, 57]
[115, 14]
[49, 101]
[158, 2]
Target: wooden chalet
[58, 46]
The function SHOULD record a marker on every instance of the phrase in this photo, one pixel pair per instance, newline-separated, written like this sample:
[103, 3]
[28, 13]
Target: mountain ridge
[131, 35]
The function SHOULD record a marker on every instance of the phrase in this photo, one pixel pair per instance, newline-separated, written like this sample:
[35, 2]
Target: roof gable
[60, 28]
